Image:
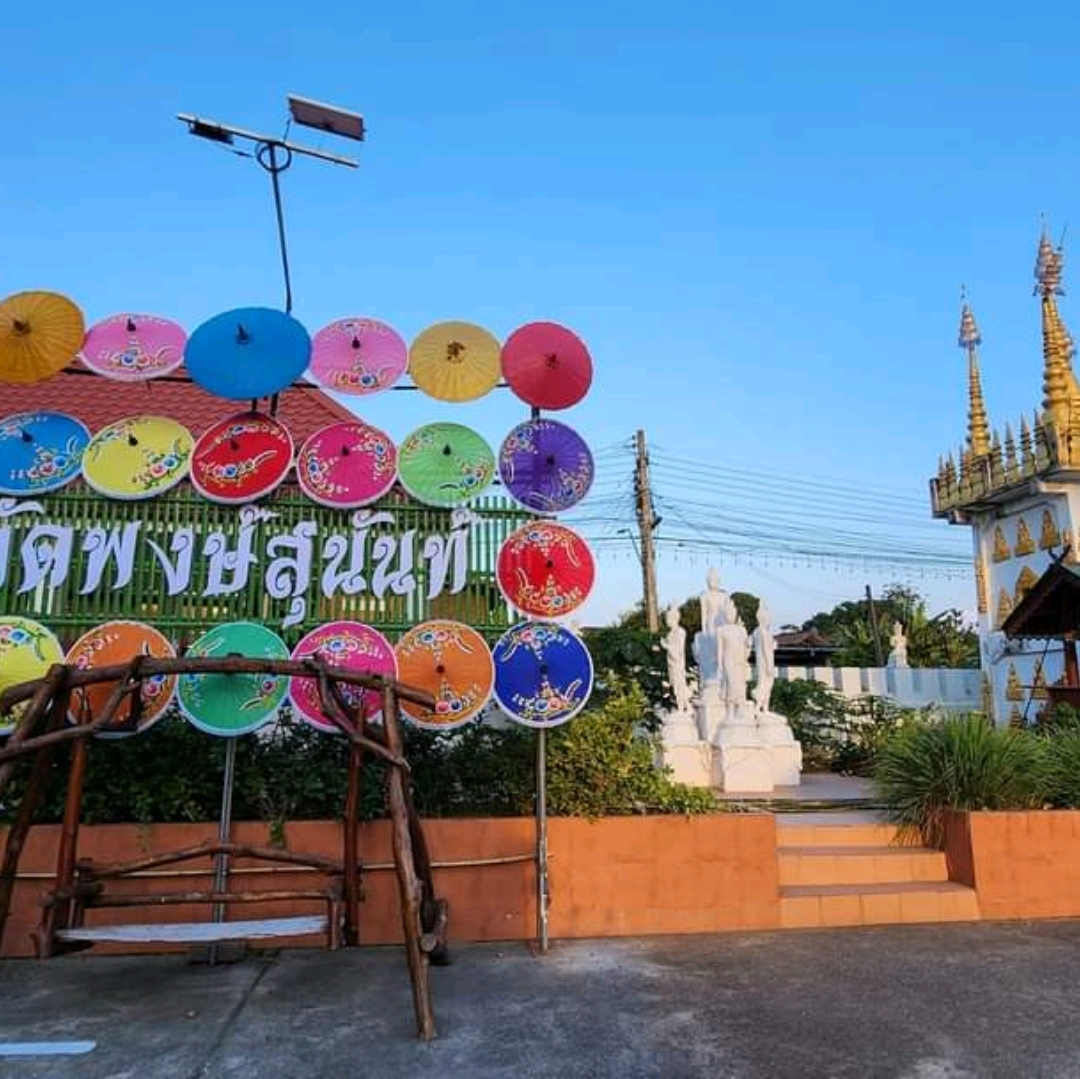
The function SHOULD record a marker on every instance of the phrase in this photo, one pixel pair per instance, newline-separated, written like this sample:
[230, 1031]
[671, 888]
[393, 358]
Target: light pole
[275, 155]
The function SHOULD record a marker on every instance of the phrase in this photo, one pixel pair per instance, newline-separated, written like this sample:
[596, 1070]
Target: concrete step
[838, 830]
[816, 864]
[820, 906]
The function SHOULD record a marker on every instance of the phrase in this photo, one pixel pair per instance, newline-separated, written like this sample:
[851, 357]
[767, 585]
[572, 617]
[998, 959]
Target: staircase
[847, 868]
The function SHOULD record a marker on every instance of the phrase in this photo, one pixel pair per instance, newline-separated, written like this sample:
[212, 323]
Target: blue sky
[757, 216]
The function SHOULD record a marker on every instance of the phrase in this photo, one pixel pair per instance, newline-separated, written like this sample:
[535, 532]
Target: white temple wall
[954, 689]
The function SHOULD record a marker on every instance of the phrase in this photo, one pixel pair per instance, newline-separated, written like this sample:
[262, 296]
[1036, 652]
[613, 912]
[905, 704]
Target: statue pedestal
[683, 751]
[741, 761]
[784, 751]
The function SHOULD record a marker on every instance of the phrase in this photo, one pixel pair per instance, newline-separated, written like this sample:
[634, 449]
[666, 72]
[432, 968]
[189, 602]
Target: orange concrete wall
[612, 877]
[1023, 864]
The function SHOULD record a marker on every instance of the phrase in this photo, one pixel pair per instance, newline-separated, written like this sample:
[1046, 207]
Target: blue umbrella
[543, 674]
[247, 353]
[40, 452]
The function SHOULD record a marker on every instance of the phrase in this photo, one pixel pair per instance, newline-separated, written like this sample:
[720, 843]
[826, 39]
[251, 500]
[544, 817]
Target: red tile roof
[98, 401]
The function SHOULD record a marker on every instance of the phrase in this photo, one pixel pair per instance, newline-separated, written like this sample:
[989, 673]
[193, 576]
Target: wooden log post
[409, 886]
[24, 818]
[351, 853]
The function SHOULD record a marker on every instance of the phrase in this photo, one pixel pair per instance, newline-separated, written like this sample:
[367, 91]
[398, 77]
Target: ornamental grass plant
[929, 768]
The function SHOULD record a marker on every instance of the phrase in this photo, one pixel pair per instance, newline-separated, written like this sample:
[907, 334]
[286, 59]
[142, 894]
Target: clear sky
[758, 216]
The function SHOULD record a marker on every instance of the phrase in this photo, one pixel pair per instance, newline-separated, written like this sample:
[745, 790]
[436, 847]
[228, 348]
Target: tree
[941, 640]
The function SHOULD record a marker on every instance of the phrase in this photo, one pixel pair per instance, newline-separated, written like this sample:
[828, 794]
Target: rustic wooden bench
[64, 925]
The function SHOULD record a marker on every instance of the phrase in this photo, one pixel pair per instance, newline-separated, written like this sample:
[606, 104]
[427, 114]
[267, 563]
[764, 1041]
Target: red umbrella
[545, 569]
[547, 365]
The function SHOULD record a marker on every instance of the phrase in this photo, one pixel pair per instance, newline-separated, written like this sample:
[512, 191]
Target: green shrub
[1061, 769]
[966, 763]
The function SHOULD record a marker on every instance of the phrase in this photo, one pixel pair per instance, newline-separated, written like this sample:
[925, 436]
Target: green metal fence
[73, 559]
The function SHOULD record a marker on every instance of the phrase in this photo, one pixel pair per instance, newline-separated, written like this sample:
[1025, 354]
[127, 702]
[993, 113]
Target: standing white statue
[898, 642]
[712, 601]
[764, 657]
[675, 647]
[733, 658]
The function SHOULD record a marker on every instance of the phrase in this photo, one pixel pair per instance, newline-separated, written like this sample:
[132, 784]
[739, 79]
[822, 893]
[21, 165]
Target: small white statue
[898, 642]
[733, 658]
[675, 647]
[712, 601]
[764, 657]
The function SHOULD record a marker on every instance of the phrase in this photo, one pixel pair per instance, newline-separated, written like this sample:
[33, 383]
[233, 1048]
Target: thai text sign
[74, 558]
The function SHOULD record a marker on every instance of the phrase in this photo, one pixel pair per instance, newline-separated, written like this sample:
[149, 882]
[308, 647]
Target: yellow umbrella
[27, 651]
[40, 334]
[455, 361]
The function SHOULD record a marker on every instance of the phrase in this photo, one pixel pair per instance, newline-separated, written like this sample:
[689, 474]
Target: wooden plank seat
[66, 909]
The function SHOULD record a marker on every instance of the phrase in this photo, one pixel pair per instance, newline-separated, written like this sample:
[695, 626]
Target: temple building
[1018, 490]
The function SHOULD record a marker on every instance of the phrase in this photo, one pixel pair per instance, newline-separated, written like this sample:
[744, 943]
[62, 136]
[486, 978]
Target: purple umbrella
[546, 465]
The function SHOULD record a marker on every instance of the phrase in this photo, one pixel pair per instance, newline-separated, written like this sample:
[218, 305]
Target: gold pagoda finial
[1048, 267]
[1056, 369]
[978, 423]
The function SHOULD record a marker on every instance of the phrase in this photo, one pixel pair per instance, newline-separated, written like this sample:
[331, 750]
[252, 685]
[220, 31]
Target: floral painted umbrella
[40, 334]
[545, 569]
[133, 348]
[546, 465]
[115, 643]
[445, 464]
[453, 663]
[247, 353]
[455, 361]
[233, 704]
[241, 459]
[345, 465]
[543, 674]
[27, 651]
[359, 356]
[138, 457]
[547, 365]
[40, 452]
[354, 647]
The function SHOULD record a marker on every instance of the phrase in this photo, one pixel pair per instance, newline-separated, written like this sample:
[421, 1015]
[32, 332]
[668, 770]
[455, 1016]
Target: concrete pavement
[899, 1002]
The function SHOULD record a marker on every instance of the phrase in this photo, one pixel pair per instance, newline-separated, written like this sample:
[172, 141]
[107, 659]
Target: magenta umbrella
[132, 348]
[358, 356]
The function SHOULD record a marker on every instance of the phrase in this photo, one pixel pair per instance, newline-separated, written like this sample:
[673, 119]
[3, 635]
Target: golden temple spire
[978, 423]
[1056, 368]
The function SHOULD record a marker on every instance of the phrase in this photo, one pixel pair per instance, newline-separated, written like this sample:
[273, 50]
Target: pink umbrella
[133, 348]
[358, 356]
[547, 365]
[347, 464]
[350, 645]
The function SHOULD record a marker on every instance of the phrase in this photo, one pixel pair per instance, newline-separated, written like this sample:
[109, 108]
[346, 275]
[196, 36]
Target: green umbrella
[233, 704]
[445, 464]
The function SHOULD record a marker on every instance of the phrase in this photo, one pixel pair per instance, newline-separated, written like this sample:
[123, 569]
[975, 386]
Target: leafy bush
[929, 768]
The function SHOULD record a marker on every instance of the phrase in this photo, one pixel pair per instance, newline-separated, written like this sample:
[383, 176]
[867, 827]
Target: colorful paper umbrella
[445, 464]
[545, 569]
[138, 457]
[546, 466]
[455, 361]
[247, 353]
[133, 348]
[547, 365]
[358, 356]
[350, 645]
[453, 663]
[40, 334]
[27, 650]
[120, 642]
[39, 452]
[241, 459]
[233, 704]
[346, 465]
[543, 674]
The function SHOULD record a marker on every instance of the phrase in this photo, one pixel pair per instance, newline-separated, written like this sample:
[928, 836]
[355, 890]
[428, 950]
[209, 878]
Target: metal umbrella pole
[541, 841]
[221, 861]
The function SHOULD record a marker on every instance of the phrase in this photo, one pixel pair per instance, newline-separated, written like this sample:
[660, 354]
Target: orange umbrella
[113, 643]
[455, 361]
[453, 663]
[40, 334]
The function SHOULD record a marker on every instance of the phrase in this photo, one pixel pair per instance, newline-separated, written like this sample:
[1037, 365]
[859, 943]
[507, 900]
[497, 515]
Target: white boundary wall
[957, 689]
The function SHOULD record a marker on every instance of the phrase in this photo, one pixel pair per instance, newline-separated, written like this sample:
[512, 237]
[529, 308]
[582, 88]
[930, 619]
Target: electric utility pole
[647, 522]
